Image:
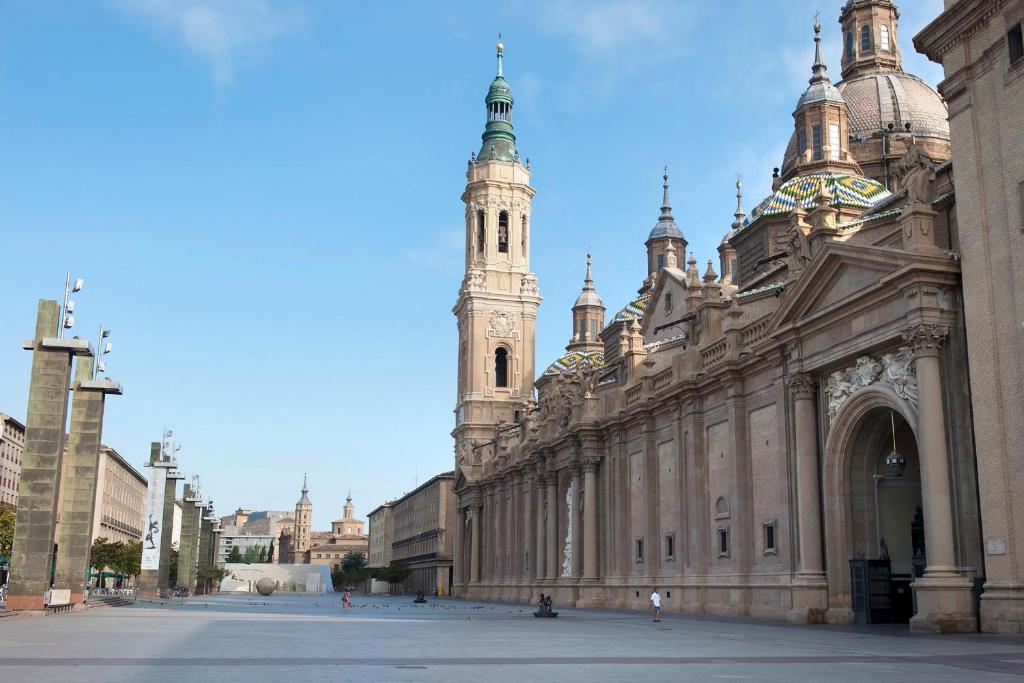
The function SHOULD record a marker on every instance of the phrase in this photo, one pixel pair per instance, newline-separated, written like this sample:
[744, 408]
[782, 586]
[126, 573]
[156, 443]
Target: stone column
[509, 551]
[577, 522]
[810, 596]
[540, 566]
[529, 526]
[78, 487]
[551, 533]
[944, 599]
[32, 552]
[459, 553]
[474, 548]
[590, 518]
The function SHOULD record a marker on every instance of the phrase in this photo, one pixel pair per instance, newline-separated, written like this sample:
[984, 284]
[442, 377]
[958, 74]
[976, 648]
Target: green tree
[128, 559]
[103, 555]
[395, 573]
[172, 564]
[252, 554]
[354, 561]
[209, 574]
[7, 520]
[263, 555]
[235, 555]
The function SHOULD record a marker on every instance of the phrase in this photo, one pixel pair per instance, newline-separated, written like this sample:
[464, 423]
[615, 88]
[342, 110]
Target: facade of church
[299, 544]
[762, 440]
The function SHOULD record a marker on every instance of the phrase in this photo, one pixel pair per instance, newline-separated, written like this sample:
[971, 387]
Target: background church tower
[303, 523]
[498, 300]
[869, 37]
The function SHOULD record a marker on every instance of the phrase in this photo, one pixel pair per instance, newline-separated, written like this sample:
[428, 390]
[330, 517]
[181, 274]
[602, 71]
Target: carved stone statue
[895, 369]
[918, 175]
[799, 250]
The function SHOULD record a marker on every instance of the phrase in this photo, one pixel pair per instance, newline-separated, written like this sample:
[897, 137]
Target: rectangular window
[802, 141]
[639, 550]
[816, 140]
[723, 541]
[1015, 42]
[833, 142]
[593, 329]
[661, 261]
[883, 37]
[770, 547]
[670, 547]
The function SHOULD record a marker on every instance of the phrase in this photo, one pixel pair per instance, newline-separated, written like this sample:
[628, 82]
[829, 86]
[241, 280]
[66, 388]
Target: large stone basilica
[778, 435]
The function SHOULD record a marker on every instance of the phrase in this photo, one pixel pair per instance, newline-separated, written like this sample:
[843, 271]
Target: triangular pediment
[460, 480]
[668, 304]
[837, 276]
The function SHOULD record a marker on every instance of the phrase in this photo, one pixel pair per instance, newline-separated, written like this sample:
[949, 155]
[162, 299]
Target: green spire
[499, 141]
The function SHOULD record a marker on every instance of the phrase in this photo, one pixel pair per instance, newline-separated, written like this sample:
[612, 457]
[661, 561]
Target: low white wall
[288, 578]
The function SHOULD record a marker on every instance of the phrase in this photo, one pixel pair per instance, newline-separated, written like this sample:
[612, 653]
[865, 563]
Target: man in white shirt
[656, 604]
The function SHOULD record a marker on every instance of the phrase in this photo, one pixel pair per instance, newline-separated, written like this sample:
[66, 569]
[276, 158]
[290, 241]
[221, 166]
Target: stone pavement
[309, 638]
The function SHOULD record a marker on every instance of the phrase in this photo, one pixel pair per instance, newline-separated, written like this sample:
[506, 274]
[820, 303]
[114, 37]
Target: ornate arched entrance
[872, 510]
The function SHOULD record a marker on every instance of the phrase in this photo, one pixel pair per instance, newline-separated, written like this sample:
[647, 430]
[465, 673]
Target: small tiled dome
[575, 360]
[847, 190]
[634, 310]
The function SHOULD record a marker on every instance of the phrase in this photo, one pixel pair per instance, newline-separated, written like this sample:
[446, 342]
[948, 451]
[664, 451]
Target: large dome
[877, 99]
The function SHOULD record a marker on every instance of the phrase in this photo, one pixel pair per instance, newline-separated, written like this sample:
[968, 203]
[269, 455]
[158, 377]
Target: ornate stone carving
[894, 369]
[926, 338]
[590, 463]
[528, 285]
[570, 501]
[918, 176]
[502, 323]
[474, 281]
[799, 250]
[802, 385]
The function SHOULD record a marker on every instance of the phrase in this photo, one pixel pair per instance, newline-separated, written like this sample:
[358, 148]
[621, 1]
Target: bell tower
[497, 303]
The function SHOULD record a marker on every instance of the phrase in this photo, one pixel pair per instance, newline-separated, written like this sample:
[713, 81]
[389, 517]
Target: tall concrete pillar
[944, 599]
[155, 582]
[32, 554]
[78, 487]
[205, 536]
[474, 548]
[590, 518]
[551, 533]
[810, 595]
[188, 546]
[540, 566]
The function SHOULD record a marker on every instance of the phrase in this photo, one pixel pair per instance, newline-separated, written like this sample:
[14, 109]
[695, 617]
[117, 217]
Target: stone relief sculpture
[570, 498]
[895, 369]
[799, 250]
[528, 285]
[918, 175]
[502, 323]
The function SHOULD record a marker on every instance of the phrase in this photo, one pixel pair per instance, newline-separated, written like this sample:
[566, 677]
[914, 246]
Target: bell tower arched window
[865, 38]
[481, 235]
[883, 37]
[849, 45]
[501, 367]
[503, 232]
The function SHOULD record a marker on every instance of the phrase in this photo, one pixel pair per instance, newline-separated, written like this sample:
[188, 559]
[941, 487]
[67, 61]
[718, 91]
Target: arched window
[865, 38]
[522, 236]
[480, 234]
[668, 302]
[501, 367]
[721, 508]
[849, 44]
[503, 232]
[883, 37]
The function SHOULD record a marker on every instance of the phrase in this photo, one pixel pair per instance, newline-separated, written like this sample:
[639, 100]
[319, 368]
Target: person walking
[346, 600]
[656, 604]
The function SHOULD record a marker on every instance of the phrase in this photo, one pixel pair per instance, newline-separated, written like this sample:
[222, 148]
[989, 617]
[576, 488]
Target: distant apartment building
[421, 536]
[233, 523]
[243, 542]
[120, 499]
[381, 536]
[266, 522]
[12, 444]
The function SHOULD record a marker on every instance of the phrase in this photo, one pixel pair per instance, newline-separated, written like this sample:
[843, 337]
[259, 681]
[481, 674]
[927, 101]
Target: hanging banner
[154, 518]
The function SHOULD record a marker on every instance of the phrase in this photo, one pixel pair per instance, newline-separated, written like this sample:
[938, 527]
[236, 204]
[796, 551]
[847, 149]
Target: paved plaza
[308, 638]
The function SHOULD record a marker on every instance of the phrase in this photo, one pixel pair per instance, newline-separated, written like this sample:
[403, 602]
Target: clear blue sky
[263, 199]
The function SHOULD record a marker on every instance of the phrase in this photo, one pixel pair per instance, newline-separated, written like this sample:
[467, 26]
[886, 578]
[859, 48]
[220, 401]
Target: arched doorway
[872, 509]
